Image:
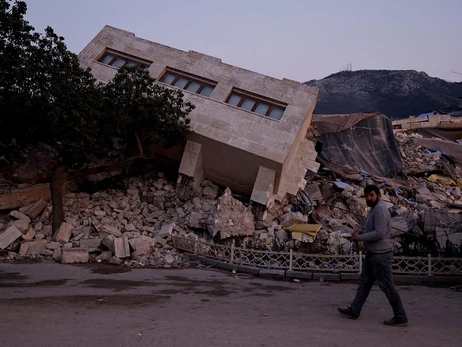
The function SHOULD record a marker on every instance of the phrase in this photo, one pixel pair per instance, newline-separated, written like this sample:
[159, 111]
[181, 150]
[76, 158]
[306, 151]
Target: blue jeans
[377, 268]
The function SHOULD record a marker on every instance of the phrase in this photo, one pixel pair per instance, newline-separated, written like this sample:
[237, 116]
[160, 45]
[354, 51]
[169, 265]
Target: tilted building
[248, 129]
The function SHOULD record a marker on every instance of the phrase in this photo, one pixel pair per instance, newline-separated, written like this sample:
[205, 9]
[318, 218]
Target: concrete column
[263, 188]
[191, 162]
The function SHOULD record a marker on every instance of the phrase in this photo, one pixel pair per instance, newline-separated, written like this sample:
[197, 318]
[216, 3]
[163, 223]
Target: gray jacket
[377, 230]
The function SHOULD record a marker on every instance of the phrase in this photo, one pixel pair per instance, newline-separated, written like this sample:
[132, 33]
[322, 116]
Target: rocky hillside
[397, 93]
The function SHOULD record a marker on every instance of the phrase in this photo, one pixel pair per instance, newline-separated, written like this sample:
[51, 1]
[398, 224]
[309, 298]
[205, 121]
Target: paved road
[49, 304]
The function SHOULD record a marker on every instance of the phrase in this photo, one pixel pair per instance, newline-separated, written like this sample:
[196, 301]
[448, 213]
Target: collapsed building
[256, 136]
[248, 129]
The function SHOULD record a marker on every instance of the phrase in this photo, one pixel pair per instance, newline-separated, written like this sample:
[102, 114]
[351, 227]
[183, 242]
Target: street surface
[49, 304]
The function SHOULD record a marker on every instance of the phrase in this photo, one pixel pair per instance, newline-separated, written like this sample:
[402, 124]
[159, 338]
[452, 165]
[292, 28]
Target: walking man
[379, 258]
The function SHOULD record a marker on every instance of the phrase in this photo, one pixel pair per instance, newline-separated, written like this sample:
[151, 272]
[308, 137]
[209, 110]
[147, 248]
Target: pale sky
[295, 39]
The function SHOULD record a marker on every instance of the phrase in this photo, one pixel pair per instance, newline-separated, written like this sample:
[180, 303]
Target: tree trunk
[59, 176]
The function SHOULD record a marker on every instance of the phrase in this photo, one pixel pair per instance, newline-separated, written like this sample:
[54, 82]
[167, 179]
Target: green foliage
[46, 96]
[134, 103]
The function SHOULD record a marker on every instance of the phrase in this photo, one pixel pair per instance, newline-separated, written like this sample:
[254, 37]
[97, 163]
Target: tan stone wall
[271, 143]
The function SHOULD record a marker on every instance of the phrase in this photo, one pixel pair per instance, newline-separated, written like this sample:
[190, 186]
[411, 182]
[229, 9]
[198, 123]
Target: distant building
[248, 129]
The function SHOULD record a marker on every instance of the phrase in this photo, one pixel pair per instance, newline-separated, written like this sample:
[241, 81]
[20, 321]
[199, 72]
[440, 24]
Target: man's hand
[354, 234]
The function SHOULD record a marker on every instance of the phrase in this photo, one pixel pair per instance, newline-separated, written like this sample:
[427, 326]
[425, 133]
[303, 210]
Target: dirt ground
[49, 304]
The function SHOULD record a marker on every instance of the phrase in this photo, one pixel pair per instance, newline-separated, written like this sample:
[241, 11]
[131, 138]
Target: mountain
[396, 93]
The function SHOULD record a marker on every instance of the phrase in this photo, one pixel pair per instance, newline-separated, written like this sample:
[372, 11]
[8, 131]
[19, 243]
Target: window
[188, 82]
[257, 104]
[118, 60]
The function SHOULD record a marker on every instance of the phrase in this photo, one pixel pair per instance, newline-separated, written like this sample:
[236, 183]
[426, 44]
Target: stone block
[19, 215]
[53, 245]
[37, 208]
[121, 247]
[20, 224]
[108, 241]
[90, 244]
[160, 240]
[191, 160]
[112, 230]
[74, 255]
[29, 235]
[9, 236]
[167, 229]
[57, 254]
[33, 247]
[64, 233]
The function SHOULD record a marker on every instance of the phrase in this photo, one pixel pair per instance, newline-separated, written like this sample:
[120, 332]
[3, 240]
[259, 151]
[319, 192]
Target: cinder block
[74, 255]
[121, 247]
[37, 208]
[9, 236]
[64, 233]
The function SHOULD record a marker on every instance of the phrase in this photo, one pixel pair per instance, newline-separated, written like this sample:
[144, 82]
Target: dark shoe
[348, 312]
[396, 322]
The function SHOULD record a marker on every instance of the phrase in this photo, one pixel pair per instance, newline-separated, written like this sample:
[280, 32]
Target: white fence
[315, 262]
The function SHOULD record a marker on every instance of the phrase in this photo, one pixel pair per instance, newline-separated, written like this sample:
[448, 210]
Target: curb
[322, 276]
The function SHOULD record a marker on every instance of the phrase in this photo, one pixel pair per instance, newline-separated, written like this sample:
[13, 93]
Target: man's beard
[372, 203]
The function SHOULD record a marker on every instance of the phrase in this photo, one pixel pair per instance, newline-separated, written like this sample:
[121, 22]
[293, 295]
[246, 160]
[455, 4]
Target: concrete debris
[64, 233]
[19, 215]
[9, 236]
[231, 218]
[74, 255]
[134, 226]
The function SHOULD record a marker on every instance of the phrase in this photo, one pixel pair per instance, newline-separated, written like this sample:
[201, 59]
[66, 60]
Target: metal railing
[315, 262]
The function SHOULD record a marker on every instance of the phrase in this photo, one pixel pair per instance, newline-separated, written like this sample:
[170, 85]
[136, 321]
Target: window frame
[140, 62]
[258, 100]
[204, 82]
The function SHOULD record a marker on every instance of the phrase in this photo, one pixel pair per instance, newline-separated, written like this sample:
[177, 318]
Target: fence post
[429, 265]
[360, 261]
[232, 253]
[290, 259]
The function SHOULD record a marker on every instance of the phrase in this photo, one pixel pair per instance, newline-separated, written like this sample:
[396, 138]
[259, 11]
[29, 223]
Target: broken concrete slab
[53, 245]
[19, 215]
[57, 254]
[29, 235]
[90, 244]
[112, 230]
[121, 247]
[292, 218]
[160, 240]
[9, 236]
[64, 233]
[74, 255]
[20, 224]
[37, 208]
[195, 220]
[108, 241]
[167, 229]
[33, 247]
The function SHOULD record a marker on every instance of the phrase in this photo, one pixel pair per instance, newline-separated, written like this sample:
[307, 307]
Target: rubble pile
[134, 226]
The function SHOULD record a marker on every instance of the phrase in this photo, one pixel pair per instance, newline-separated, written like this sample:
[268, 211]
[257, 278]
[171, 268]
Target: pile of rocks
[135, 225]
[131, 226]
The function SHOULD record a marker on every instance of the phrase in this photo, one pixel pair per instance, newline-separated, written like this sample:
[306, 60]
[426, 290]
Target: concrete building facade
[248, 129]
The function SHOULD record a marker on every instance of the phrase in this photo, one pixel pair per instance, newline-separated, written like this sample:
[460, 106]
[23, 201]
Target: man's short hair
[372, 188]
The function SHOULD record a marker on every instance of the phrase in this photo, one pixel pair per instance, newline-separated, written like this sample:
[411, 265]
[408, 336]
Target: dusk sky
[296, 39]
